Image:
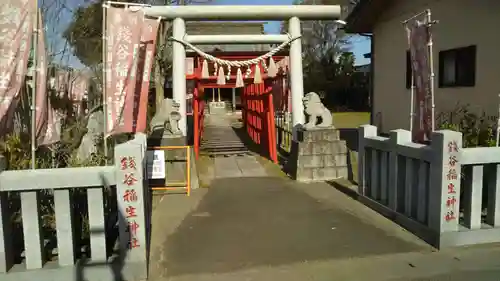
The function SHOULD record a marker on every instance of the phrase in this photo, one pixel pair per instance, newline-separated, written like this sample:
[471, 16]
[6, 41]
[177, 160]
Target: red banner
[146, 60]
[123, 29]
[48, 122]
[418, 39]
[41, 99]
[16, 25]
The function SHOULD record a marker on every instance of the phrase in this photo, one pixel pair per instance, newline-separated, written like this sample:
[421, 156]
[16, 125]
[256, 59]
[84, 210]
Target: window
[408, 70]
[457, 67]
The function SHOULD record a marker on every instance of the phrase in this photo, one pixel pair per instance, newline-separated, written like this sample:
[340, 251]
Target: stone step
[221, 143]
[219, 138]
[224, 148]
[212, 132]
[221, 146]
[222, 139]
[224, 152]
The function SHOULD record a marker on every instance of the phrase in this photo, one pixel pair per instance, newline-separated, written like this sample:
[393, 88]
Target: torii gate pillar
[296, 76]
[179, 71]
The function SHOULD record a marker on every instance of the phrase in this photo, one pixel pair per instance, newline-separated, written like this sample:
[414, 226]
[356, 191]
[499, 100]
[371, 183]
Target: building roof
[365, 68]
[364, 15]
[228, 28]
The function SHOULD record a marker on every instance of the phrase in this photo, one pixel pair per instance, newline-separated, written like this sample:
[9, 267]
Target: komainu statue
[314, 108]
[167, 118]
[173, 120]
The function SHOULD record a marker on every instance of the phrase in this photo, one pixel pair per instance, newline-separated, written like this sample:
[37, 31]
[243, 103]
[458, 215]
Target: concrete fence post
[131, 197]
[396, 137]
[445, 174]
[142, 139]
[363, 132]
[6, 250]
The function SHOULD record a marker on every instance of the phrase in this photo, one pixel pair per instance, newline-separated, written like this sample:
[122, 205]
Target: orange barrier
[180, 185]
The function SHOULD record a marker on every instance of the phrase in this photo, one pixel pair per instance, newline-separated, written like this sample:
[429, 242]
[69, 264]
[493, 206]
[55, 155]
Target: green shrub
[16, 148]
[479, 130]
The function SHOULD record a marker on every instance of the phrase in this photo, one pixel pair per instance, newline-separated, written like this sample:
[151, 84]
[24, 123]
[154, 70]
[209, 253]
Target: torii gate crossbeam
[246, 12]
[292, 13]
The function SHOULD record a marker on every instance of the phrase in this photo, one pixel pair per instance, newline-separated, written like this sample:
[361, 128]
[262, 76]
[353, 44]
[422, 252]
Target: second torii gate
[291, 13]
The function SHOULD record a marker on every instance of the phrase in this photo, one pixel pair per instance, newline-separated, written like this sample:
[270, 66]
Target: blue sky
[360, 44]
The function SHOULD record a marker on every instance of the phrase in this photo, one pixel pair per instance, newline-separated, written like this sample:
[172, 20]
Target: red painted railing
[198, 110]
[258, 117]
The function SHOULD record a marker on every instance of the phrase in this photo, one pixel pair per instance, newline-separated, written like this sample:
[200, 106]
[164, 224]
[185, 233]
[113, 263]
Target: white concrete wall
[461, 23]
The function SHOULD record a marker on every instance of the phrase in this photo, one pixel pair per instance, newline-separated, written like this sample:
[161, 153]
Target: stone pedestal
[318, 155]
[217, 107]
[175, 164]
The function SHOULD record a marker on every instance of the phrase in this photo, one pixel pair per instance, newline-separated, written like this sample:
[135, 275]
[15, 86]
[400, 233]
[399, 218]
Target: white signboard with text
[156, 164]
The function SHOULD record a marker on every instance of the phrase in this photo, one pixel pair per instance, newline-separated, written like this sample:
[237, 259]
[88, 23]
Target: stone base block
[175, 165]
[322, 161]
[321, 174]
[217, 107]
[318, 134]
[320, 147]
[318, 155]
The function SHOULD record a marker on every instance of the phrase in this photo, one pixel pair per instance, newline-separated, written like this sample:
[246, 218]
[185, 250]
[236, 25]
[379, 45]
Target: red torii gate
[254, 96]
[257, 99]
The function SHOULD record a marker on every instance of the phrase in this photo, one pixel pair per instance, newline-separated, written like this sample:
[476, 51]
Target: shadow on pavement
[117, 251]
[241, 132]
[269, 222]
[117, 261]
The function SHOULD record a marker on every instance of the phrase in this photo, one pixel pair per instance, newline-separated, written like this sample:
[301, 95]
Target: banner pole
[431, 64]
[104, 79]
[33, 88]
[412, 100]
[429, 91]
